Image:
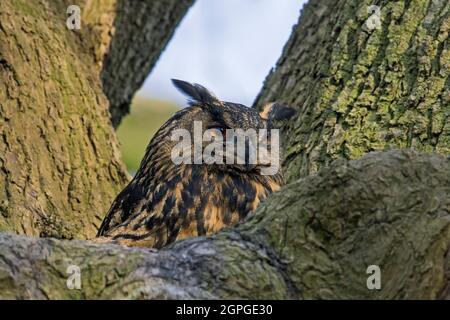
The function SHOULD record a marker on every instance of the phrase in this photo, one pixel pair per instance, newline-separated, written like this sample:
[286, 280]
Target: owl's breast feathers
[188, 201]
[166, 202]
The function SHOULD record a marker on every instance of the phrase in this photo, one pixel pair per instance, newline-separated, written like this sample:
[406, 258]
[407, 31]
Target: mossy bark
[357, 91]
[60, 165]
[361, 89]
[314, 240]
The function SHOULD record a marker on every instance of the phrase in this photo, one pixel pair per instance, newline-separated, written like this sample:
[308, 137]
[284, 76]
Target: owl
[169, 199]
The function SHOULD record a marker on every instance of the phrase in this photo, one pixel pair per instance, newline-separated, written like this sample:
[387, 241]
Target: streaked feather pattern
[165, 202]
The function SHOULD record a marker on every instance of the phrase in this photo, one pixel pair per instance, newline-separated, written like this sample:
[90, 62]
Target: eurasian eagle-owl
[165, 201]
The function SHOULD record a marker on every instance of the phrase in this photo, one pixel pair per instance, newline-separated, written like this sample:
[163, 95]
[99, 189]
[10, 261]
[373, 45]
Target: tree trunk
[141, 31]
[313, 240]
[360, 90]
[357, 91]
[60, 165]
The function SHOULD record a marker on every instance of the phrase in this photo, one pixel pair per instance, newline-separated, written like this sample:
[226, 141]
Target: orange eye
[218, 130]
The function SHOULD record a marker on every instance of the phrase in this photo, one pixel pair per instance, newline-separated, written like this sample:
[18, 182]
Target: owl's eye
[220, 129]
[217, 131]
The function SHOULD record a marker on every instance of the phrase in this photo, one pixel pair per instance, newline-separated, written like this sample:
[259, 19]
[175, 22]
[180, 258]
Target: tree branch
[313, 239]
[359, 89]
[141, 31]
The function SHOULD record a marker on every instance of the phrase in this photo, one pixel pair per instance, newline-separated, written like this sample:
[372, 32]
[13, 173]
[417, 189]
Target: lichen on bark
[60, 164]
[357, 90]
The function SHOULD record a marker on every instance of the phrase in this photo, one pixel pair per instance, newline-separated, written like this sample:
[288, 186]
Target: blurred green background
[145, 118]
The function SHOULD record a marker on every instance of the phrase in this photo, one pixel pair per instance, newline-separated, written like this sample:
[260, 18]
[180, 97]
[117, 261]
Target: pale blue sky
[229, 46]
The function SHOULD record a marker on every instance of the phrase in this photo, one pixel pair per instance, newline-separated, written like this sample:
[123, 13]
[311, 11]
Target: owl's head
[226, 136]
[229, 115]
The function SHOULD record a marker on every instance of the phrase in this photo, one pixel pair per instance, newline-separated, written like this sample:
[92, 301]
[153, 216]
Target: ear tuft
[277, 112]
[197, 93]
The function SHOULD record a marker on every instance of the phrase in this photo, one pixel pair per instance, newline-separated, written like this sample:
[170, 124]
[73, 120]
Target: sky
[228, 46]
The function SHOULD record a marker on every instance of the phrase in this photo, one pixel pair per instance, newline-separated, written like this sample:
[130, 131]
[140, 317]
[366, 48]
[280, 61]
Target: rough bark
[357, 91]
[59, 161]
[126, 39]
[313, 239]
[360, 90]
[141, 31]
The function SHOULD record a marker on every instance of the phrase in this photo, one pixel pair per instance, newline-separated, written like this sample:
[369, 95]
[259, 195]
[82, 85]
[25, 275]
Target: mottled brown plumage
[166, 202]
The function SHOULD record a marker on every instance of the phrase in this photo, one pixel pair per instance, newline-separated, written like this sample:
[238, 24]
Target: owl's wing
[149, 215]
[173, 209]
[147, 222]
[126, 203]
[124, 234]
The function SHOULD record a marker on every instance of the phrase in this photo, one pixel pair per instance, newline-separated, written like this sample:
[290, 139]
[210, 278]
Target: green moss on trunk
[364, 90]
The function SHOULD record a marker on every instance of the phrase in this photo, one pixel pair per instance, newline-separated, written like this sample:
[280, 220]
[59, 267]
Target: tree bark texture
[360, 89]
[141, 31]
[60, 165]
[357, 90]
[313, 239]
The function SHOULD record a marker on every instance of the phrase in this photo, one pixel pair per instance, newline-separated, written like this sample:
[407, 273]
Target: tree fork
[60, 165]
